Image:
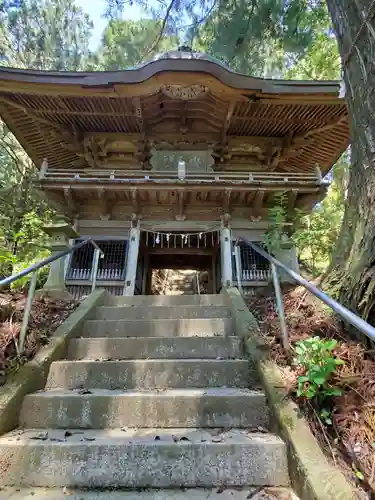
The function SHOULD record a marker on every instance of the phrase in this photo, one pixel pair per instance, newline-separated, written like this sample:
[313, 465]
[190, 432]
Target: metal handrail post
[34, 271]
[94, 271]
[26, 316]
[45, 262]
[197, 280]
[280, 308]
[338, 308]
[236, 252]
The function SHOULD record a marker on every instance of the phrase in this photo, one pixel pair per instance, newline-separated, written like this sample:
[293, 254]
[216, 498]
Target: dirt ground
[46, 316]
[350, 439]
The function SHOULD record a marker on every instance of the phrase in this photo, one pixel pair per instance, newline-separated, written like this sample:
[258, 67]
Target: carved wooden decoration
[91, 150]
[104, 204]
[135, 200]
[143, 154]
[184, 92]
[221, 155]
[227, 201]
[70, 202]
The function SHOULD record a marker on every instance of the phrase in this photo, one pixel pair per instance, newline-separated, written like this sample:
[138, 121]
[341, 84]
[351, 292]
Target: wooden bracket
[105, 205]
[70, 202]
[135, 200]
[258, 201]
[226, 201]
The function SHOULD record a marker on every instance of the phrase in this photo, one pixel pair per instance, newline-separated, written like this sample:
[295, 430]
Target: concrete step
[152, 313]
[158, 328]
[255, 493]
[149, 374]
[168, 300]
[159, 458]
[155, 348]
[180, 286]
[103, 409]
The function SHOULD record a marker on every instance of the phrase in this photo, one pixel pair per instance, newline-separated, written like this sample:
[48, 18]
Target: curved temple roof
[166, 62]
[178, 96]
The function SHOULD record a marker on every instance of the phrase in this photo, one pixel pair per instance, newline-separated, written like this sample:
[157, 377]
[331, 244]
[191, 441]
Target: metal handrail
[338, 308]
[34, 268]
[197, 282]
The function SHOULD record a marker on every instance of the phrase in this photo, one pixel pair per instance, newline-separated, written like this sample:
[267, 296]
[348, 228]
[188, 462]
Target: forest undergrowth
[46, 316]
[344, 423]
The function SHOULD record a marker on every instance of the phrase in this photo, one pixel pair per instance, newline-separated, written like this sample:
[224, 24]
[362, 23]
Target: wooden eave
[76, 198]
[53, 114]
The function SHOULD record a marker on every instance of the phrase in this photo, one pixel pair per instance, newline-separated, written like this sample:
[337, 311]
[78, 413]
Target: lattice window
[81, 263]
[254, 266]
[112, 265]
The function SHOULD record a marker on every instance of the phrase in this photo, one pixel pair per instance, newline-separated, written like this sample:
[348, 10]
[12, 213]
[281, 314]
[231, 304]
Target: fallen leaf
[43, 436]
[254, 492]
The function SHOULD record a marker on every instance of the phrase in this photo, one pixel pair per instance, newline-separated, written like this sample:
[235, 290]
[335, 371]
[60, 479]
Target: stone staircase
[155, 394]
[181, 282]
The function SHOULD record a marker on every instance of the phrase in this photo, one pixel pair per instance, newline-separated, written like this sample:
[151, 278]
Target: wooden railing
[142, 176]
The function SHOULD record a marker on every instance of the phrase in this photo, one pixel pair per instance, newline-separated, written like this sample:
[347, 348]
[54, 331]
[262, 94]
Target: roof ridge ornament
[184, 92]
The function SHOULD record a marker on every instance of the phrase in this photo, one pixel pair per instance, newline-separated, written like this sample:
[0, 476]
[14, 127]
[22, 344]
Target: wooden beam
[30, 113]
[234, 141]
[168, 187]
[182, 250]
[323, 128]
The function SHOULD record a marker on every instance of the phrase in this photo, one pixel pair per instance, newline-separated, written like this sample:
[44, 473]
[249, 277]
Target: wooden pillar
[214, 286]
[146, 262]
[132, 260]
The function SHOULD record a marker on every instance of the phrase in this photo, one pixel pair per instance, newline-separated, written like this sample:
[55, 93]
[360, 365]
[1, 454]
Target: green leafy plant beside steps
[315, 359]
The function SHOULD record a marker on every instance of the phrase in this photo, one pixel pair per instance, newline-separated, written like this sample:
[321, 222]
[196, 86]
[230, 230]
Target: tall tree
[251, 36]
[353, 267]
[128, 43]
[44, 34]
[47, 34]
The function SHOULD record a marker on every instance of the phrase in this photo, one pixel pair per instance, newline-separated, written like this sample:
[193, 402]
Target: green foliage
[23, 209]
[275, 238]
[47, 34]
[127, 43]
[318, 231]
[263, 38]
[44, 34]
[316, 358]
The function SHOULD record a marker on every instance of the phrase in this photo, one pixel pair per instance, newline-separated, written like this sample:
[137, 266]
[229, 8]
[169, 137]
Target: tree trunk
[352, 273]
